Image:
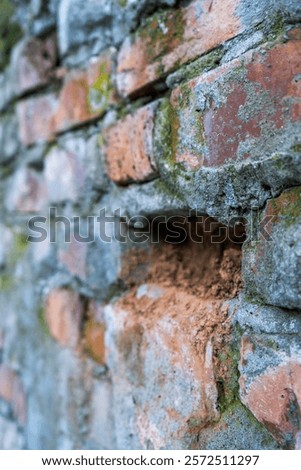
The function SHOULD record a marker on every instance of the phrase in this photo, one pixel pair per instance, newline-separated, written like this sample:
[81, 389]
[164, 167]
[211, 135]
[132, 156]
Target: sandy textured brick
[129, 147]
[172, 38]
[162, 341]
[86, 93]
[63, 315]
[248, 108]
[36, 119]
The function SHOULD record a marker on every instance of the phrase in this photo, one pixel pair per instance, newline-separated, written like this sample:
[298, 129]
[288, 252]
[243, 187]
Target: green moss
[162, 33]
[228, 386]
[6, 282]
[201, 65]
[10, 32]
[287, 207]
[122, 3]
[19, 247]
[278, 25]
[100, 91]
[296, 148]
[42, 321]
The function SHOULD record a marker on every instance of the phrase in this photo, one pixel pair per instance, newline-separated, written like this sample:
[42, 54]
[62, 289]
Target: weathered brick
[129, 151]
[173, 38]
[12, 391]
[154, 361]
[26, 191]
[274, 396]
[269, 367]
[241, 110]
[36, 119]
[275, 251]
[63, 315]
[94, 332]
[86, 94]
[33, 62]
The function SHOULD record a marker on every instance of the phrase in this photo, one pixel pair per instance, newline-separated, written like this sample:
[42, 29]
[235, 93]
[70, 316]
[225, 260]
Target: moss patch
[162, 33]
[10, 32]
[100, 91]
[287, 207]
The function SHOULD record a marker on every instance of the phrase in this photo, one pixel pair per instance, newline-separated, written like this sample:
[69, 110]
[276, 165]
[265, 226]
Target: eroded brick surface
[85, 94]
[173, 38]
[129, 147]
[239, 110]
[63, 315]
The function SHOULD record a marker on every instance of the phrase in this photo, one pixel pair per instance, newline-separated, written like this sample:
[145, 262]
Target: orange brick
[174, 38]
[63, 315]
[86, 94]
[274, 398]
[129, 147]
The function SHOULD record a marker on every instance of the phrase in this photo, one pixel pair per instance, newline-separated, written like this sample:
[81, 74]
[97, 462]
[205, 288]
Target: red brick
[129, 147]
[174, 38]
[11, 390]
[86, 93]
[36, 121]
[35, 61]
[255, 98]
[274, 397]
[63, 315]
[27, 192]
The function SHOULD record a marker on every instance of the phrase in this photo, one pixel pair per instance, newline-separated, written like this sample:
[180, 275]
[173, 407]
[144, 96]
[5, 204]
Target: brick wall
[150, 197]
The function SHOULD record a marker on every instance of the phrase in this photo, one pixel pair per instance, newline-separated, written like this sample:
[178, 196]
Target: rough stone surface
[276, 250]
[149, 217]
[26, 191]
